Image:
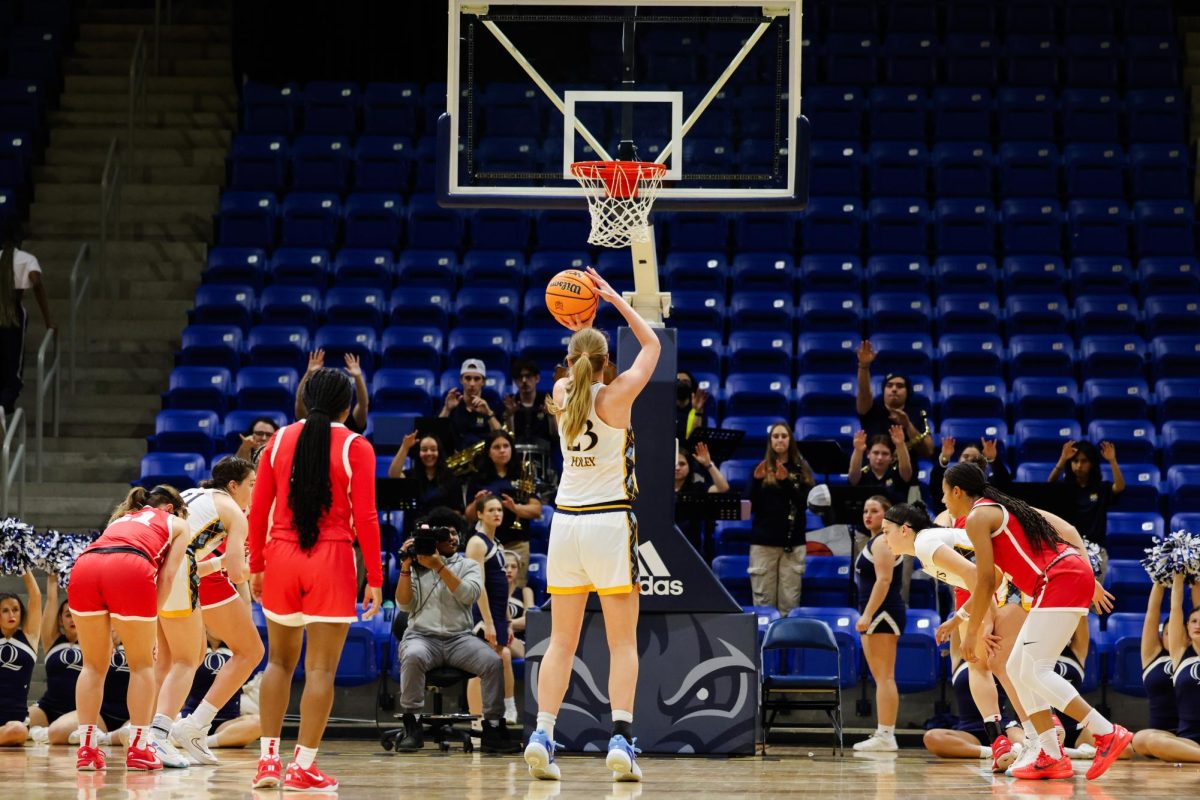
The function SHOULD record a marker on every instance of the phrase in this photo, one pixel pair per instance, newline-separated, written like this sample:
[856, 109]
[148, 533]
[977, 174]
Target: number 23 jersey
[598, 467]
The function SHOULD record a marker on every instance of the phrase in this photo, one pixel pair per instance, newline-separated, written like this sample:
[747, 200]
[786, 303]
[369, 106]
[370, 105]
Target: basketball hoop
[619, 195]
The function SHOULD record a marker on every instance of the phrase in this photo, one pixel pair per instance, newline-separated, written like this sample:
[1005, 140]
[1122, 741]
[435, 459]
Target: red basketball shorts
[318, 586]
[216, 590]
[1068, 585]
[120, 584]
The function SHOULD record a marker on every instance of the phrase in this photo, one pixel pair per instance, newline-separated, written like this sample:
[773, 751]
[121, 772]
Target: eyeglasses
[261, 434]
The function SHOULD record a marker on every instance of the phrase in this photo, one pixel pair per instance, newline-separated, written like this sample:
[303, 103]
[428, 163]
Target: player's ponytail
[327, 395]
[586, 354]
[973, 482]
[139, 497]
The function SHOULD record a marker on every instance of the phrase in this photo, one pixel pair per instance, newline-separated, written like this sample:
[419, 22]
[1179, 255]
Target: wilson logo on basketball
[567, 286]
[655, 578]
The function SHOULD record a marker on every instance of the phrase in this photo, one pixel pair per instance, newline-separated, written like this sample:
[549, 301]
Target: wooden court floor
[366, 771]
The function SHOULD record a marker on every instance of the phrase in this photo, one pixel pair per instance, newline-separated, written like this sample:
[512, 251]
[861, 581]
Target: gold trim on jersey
[597, 508]
[629, 464]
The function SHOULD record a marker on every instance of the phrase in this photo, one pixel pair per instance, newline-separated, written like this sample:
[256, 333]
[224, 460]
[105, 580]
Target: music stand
[824, 456]
[395, 494]
[847, 503]
[722, 443]
[440, 429]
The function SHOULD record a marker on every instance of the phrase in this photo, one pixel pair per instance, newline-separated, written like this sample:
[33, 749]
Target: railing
[110, 210]
[81, 284]
[137, 94]
[12, 462]
[47, 382]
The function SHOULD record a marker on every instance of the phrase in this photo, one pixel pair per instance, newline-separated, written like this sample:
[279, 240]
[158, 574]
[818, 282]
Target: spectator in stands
[778, 499]
[689, 405]
[256, 437]
[1163, 739]
[897, 406]
[436, 484]
[525, 412]
[888, 465]
[1090, 494]
[358, 417]
[982, 454]
[438, 592]
[691, 483]
[497, 474]
[470, 415]
[19, 270]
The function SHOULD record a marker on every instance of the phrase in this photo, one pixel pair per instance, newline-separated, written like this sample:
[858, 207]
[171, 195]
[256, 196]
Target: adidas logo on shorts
[655, 577]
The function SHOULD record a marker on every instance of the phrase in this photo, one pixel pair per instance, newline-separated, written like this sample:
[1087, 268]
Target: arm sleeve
[470, 578]
[260, 507]
[366, 517]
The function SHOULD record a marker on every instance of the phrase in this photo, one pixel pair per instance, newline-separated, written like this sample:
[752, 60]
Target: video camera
[425, 542]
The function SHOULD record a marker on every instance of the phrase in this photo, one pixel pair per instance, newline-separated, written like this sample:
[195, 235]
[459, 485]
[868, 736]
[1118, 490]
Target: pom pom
[1093, 554]
[1177, 552]
[16, 545]
[66, 548]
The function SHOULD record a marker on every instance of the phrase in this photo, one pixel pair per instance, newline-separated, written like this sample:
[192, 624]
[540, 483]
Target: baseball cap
[819, 496]
[473, 365]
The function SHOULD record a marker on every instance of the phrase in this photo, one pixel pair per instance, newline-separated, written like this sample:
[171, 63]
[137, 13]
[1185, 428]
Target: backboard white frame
[571, 97]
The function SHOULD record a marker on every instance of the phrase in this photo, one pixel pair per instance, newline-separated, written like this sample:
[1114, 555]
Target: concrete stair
[169, 197]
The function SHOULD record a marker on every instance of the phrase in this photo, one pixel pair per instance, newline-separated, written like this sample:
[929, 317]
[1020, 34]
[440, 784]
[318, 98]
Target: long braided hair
[327, 395]
[972, 480]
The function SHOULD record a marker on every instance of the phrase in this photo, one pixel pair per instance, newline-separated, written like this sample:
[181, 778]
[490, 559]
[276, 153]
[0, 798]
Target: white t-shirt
[23, 265]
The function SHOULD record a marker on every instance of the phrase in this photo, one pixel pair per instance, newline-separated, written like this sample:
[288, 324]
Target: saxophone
[462, 462]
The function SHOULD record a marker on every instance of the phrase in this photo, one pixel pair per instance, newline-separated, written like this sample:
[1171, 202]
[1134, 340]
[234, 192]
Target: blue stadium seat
[191, 431]
[972, 397]
[961, 169]
[503, 269]
[836, 113]
[832, 225]
[543, 346]
[911, 59]
[494, 346]
[897, 169]
[700, 351]
[237, 265]
[181, 470]
[851, 59]
[1151, 62]
[281, 304]
[258, 161]
[967, 312]
[761, 311]
[971, 354]
[198, 388]
[701, 310]
[1175, 356]
[1164, 227]
[898, 312]
[918, 656]
[905, 353]
[1034, 275]
[758, 271]
[266, 389]
[1031, 57]
[1171, 314]
[1189, 521]
[487, 308]
[1091, 115]
[247, 219]
[1183, 485]
[1101, 275]
[827, 581]
[211, 346]
[16, 155]
[1040, 354]
[432, 227]
[1095, 170]
[731, 571]
[963, 115]
[412, 347]
[1116, 398]
[1178, 398]
[1130, 533]
[1112, 356]
[1135, 440]
[1127, 579]
[1037, 313]
[391, 108]
[1143, 485]
[842, 622]
[1042, 439]
[363, 267]
[1031, 226]
[374, 220]
[339, 340]
[826, 353]
[1180, 442]
[1045, 398]
[965, 274]
[701, 231]
[1159, 171]
[561, 229]
[405, 391]
[1026, 116]
[355, 305]
[300, 266]
[825, 395]
[223, 304]
[321, 163]
[768, 232]
[760, 351]
[698, 270]
[757, 394]
[310, 219]
[1098, 227]
[970, 17]
[545, 264]
[359, 662]
[897, 113]
[898, 273]
[1157, 115]
[278, 345]
[501, 229]
[1169, 275]
[739, 472]
[836, 168]
[421, 306]
[830, 311]
[974, 428]
[971, 58]
[331, 107]
[270, 109]
[843, 273]
[897, 225]
[1106, 313]
[428, 268]
[754, 443]
[964, 226]
[1035, 471]
[1028, 169]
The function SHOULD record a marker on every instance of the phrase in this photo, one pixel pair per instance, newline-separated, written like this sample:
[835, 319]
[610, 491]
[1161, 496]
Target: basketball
[572, 298]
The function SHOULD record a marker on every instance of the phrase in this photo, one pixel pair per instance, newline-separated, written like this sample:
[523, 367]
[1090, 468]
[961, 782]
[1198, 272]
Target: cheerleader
[491, 608]
[20, 631]
[63, 662]
[209, 601]
[117, 586]
[520, 600]
[1171, 673]
[1048, 562]
[883, 615]
[237, 724]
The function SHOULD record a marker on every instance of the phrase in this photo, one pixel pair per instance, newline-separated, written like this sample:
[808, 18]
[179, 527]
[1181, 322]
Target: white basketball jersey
[598, 467]
[930, 539]
[204, 521]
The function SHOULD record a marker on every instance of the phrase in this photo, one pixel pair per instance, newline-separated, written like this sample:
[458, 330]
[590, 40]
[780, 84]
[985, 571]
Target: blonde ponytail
[134, 500]
[586, 353]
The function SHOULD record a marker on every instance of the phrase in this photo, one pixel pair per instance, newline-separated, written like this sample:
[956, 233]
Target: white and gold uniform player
[593, 538]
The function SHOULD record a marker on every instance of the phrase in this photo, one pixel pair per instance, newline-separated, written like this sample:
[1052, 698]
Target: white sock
[510, 704]
[87, 736]
[268, 747]
[1030, 731]
[886, 730]
[305, 756]
[161, 726]
[1049, 742]
[985, 751]
[137, 736]
[204, 714]
[1097, 724]
[622, 716]
[545, 722]
[211, 741]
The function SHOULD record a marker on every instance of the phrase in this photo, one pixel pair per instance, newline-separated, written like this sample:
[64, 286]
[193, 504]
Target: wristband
[962, 613]
[406, 574]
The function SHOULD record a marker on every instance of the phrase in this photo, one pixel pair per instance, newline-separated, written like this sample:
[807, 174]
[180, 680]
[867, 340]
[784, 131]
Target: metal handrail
[11, 460]
[47, 381]
[110, 209]
[137, 93]
[81, 284]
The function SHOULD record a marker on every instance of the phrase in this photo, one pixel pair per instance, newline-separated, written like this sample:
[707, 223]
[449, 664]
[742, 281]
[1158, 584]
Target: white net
[619, 195]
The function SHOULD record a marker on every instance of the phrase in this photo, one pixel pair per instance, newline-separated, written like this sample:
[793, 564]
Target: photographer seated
[438, 588]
